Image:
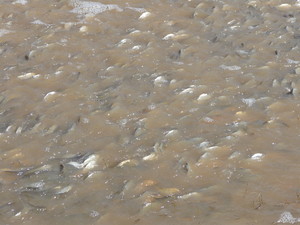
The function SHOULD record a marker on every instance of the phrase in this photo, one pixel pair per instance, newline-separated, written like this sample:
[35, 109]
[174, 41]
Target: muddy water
[149, 112]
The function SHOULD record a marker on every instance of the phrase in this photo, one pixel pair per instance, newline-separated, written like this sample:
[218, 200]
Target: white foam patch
[208, 119]
[287, 217]
[249, 101]
[92, 8]
[290, 61]
[231, 68]
[22, 2]
[3, 32]
[39, 22]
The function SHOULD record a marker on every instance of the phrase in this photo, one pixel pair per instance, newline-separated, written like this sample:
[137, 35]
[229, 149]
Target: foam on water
[232, 68]
[39, 22]
[287, 217]
[3, 32]
[290, 61]
[92, 8]
[249, 101]
[22, 2]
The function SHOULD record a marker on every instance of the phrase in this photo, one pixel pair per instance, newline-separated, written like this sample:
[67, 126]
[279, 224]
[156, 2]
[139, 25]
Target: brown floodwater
[143, 112]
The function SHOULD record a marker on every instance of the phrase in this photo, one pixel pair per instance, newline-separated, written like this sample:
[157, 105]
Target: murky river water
[149, 112]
